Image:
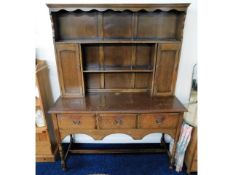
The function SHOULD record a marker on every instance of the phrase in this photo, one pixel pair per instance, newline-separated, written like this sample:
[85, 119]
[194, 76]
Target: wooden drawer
[114, 121]
[161, 120]
[80, 121]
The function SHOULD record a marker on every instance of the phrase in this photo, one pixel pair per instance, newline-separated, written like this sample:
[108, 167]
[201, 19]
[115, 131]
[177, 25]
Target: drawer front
[162, 120]
[80, 121]
[115, 121]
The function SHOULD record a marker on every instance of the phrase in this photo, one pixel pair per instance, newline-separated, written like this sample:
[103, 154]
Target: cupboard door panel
[69, 69]
[166, 69]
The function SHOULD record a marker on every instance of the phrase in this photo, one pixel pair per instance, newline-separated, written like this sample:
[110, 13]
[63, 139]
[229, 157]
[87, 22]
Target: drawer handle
[77, 122]
[159, 119]
[118, 121]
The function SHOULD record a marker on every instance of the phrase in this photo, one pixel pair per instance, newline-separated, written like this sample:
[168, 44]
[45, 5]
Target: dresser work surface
[118, 102]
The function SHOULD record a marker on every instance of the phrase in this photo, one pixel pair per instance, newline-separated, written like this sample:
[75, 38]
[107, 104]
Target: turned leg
[63, 162]
[58, 140]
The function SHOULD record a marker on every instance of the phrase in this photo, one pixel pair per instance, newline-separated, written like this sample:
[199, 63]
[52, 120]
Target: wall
[45, 50]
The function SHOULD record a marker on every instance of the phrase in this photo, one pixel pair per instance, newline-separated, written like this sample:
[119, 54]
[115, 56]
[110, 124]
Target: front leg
[58, 140]
[63, 161]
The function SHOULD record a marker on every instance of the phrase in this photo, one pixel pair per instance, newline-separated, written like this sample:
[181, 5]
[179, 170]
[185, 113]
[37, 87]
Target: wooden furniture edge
[119, 7]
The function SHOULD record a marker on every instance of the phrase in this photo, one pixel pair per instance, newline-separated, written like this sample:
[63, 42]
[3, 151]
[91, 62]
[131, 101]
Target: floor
[111, 164]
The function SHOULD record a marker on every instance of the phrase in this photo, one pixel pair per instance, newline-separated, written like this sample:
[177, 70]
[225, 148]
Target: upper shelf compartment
[118, 22]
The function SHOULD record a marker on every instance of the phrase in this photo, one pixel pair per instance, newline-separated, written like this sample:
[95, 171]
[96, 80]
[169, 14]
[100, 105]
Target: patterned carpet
[110, 164]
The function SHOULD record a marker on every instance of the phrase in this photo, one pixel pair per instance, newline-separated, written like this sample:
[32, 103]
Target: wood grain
[118, 102]
[119, 64]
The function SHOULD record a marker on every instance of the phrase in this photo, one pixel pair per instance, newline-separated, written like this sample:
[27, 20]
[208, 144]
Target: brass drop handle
[159, 119]
[118, 121]
[76, 122]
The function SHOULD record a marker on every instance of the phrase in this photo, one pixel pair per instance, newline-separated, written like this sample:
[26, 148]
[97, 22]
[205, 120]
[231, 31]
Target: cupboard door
[166, 69]
[70, 70]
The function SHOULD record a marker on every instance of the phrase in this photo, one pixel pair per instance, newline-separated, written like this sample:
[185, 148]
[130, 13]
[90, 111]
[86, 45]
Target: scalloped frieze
[118, 7]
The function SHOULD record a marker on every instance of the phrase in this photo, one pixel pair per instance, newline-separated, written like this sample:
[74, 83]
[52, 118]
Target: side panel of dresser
[46, 146]
[191, 153]
[69, 65]
[166, 66]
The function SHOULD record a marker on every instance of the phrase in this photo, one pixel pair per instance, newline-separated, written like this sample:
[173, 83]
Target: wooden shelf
[91, 41]
[118, 37]
[118, 69]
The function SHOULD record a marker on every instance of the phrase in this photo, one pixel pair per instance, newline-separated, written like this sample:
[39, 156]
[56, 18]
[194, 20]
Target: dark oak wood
[118, 7]
[117, 151]
[69, 69]
[104, 21]
[117, 121]
[159, 120]
[80, 121]
[80, 22]
[118, 102]
[119, 64]
[117, 41]
[166, 69]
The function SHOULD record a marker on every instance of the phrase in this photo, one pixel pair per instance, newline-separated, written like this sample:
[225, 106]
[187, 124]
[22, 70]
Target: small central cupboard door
[70, 70]
[166, 69]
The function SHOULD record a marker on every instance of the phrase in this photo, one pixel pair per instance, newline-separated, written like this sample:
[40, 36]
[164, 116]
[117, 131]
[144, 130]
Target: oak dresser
[117, 67]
